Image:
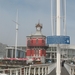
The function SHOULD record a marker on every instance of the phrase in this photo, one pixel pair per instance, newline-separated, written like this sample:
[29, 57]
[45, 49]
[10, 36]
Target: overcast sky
[30, 12]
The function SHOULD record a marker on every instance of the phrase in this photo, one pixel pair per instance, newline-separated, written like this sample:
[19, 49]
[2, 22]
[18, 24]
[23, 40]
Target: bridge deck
[63, 71]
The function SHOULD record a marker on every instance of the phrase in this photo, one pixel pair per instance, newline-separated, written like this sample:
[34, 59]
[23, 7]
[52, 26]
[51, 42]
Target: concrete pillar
[42, 70]
[58, 69]
[54, 55]
[38, 70]
[16, 72]
[72, 71]
[48, 69]
[10, 72]
[34, 70]
[51, 54]
[29, 70]
[26, 71]
[12, 53]
[21, 71]
[45, 70]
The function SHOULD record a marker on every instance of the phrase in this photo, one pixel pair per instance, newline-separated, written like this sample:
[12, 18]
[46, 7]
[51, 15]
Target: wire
[64, 16]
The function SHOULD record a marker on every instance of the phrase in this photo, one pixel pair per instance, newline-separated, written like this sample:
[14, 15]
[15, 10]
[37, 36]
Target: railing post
[10, 72]
[29, 69]
[73, 71]
[42, 70]
[48, 69]
[45, 70]
[70, 71]
[20, 71]
[34, 70]
[24, 70]
[16, 72]
[38, 70]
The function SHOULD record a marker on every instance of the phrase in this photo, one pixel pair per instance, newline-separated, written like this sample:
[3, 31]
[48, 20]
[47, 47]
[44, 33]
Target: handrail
[70, 68]
[37, 69]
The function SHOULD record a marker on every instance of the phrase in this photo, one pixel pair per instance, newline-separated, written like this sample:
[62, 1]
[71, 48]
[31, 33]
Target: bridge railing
[70, 68]
[51, 67]
[40, 69]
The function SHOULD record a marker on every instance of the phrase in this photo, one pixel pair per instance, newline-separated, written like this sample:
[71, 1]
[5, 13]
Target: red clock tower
[36, 46]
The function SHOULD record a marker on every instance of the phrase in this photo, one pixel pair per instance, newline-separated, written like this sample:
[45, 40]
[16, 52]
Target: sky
[30, 12]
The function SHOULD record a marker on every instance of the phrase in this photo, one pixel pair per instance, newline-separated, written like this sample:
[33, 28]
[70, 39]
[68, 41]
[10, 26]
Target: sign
[58, 40]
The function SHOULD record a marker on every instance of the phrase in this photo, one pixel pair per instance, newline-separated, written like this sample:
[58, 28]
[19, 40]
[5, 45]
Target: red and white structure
[36, 46]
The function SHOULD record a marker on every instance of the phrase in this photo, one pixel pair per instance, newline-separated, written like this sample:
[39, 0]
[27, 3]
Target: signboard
[58, 40]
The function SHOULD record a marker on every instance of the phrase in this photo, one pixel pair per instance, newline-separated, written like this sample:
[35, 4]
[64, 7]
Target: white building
[10, 52]
[67, 52]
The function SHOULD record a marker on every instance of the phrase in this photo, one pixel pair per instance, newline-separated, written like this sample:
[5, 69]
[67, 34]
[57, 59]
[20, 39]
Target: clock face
[38, 28]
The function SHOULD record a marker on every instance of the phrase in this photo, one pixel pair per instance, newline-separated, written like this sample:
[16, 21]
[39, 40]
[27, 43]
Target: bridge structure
[39, 69]
[58, 39]
[46, 69]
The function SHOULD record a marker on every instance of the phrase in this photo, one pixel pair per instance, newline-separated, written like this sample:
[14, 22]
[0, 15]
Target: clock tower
[36, 46]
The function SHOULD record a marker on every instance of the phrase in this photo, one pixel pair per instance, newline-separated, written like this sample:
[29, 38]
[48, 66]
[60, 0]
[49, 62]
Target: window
[14, 53]
[42, 41]
[36, 41]
[21, 54]
[9, 53]
[28, 42]
[18, 53]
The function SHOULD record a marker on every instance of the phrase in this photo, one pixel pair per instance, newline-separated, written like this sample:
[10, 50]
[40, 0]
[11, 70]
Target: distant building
[67, 52]
[2, 50]
[10, 52]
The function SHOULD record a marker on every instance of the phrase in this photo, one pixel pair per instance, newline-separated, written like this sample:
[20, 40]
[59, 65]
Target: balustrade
[70, 68]
[38, 69]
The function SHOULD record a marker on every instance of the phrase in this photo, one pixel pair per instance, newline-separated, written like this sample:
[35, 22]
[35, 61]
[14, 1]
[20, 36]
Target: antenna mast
[52, 19]
[65, 17]
[16, 32]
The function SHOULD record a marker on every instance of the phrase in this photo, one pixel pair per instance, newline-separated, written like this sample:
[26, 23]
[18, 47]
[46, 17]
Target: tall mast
[58, 69]
[58, 17]
[65, 17]
[52, 19]
[16, 32]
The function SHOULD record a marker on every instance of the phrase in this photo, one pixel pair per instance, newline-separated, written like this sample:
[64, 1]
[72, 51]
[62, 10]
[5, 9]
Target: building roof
[39, 25]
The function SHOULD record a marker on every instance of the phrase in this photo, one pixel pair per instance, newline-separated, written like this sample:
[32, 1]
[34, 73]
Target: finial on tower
[39, 26]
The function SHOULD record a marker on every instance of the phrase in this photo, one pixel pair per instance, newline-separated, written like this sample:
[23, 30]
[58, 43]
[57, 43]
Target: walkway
[63, 72]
